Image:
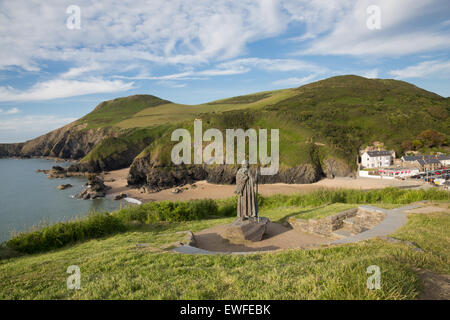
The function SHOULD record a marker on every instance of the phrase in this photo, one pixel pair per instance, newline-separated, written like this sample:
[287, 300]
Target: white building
[377, 159]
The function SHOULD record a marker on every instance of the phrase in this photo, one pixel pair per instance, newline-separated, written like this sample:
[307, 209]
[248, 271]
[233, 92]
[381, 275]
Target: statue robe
[247, 206]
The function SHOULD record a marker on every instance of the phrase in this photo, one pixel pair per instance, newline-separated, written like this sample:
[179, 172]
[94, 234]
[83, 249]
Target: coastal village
[378, 163]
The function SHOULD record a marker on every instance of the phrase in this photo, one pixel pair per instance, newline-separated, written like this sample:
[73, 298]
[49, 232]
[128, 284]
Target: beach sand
[205, 190]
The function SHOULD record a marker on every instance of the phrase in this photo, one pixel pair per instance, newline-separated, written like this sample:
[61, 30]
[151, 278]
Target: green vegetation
[243, 99]
[430, 233]
[332, 118]
[119, 152]
[115, 268]
[313, 204]
[95, 225]
[108, 113]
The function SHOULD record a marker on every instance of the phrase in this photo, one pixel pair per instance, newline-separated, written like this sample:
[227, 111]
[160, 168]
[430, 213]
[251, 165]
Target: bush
[320, 197]
[95, 225]
[170, 211]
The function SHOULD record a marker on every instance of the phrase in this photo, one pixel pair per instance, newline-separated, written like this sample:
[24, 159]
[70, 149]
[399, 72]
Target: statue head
[245, 164]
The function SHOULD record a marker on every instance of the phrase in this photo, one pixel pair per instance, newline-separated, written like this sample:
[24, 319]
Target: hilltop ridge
[322, 126]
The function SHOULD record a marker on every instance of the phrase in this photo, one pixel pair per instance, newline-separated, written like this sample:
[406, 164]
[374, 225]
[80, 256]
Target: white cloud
[282, 65]
[60, 88]
[233, 67]
[172, 84]
[153, 30]
[294, 81]
[201, 39]
[22, 128]
[371, 74]
[228, 68]
[12, 111]
[78, 71]
[339, 27]
[435, 68]
[199, 32]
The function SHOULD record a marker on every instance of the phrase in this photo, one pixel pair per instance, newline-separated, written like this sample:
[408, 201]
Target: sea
[29, 199]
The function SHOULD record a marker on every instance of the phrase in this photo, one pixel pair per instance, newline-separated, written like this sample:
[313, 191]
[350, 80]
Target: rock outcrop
[336, 168]
[96, 188]
[64, 186]
[56, 172]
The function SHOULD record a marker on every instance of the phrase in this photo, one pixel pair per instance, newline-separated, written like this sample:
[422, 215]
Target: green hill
[322, 127]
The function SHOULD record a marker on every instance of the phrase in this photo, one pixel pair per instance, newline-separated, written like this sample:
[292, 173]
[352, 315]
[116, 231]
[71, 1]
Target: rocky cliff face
[115, 161]
[336, 168]
[157, 177]
[10, 149]
[68, 142]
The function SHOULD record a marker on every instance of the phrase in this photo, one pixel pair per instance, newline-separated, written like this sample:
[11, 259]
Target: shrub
[95, 225]
[170, 211]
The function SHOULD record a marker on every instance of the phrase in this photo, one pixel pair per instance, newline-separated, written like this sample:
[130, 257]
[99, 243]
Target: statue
[247, 207]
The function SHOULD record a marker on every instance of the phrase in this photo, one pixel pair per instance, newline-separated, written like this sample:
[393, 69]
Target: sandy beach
[117, 180]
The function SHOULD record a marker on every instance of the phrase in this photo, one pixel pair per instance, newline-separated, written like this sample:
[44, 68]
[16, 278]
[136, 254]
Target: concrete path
[395, 219]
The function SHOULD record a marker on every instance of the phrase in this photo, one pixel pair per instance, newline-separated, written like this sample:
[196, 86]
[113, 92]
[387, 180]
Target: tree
[431, 138]
[417, 144]
[407, 145]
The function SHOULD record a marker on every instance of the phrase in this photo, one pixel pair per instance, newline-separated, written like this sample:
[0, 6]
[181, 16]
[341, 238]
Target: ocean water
[28, 198]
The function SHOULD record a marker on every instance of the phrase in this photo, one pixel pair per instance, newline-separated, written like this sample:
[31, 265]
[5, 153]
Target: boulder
[144, 189]
[246, 230]
[177, 190]
[56, 172]
[64, 186]
[120, 196]
[96, 189]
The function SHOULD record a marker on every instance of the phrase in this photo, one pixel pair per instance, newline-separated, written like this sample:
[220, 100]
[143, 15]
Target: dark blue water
[28, 198]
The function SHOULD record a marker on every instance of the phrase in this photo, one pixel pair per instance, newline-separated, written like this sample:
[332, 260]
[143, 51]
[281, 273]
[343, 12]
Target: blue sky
[52, 73]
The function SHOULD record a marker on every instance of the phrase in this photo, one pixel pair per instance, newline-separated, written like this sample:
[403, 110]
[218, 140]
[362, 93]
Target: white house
[377, 159]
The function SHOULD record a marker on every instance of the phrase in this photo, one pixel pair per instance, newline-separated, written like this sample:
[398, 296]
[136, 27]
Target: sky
[60, 58]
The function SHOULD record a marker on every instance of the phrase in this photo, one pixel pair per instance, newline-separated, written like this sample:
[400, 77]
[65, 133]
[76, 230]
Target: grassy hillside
[331, 118]
[109, 113]
[114, 267]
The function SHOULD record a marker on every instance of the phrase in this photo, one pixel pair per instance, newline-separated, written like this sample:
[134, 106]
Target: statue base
[251, 229]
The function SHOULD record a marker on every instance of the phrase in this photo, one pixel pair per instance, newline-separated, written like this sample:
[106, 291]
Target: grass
[317, 204]
[109, 113]
[281, 214]
[174, 112]
[430, 233]
[114, 268]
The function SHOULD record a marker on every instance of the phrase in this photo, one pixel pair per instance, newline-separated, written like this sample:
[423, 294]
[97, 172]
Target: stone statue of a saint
[247, 206]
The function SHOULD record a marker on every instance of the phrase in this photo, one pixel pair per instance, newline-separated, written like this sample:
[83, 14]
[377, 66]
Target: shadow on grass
[285, 218]
[158, 227]
[7, 253]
